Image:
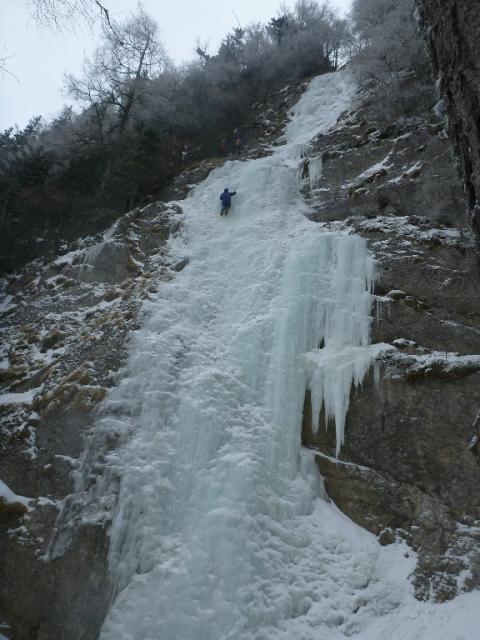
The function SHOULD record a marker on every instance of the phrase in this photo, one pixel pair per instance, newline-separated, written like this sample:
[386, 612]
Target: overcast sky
[39, 56]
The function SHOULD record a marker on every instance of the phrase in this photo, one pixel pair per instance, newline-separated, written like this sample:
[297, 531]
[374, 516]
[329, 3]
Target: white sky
[40, 56]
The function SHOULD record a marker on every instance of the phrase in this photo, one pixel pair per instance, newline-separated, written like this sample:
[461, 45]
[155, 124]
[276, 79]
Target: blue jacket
[226, 197]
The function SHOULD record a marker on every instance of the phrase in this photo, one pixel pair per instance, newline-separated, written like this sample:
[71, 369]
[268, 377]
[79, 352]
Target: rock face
[452, 31]
[65, 327]
[410, 464]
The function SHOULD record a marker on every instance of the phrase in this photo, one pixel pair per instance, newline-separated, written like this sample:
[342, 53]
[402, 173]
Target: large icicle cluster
[344, 329]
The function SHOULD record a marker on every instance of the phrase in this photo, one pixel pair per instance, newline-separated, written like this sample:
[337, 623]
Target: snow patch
[403, 343]
[448, 361]
[401, 225]
[7, 304]
[8, 496]
[65, 259]
[378, 168]
[19, 398]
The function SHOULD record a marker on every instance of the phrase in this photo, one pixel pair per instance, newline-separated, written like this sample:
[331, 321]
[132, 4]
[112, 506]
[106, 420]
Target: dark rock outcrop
[452, 32]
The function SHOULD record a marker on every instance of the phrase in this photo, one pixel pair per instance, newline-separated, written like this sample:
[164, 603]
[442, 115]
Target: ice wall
[221, 530]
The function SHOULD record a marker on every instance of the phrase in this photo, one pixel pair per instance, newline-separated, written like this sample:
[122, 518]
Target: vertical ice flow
[218, 531]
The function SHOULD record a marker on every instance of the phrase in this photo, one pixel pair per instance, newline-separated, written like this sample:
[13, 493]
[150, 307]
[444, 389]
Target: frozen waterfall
[221, 529]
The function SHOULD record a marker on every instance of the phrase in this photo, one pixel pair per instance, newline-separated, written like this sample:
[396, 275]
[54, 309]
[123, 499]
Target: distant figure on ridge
[226, 198]
[186, 153]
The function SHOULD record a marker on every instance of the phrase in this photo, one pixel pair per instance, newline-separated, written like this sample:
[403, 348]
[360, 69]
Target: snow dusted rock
[404, 170]
[65, 329]
[408, 469]
[11, 503]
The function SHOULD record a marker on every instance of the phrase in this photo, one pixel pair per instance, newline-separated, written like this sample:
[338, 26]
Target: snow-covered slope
[222, 530]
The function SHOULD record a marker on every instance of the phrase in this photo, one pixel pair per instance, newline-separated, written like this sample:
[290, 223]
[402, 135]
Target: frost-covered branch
[59, 13]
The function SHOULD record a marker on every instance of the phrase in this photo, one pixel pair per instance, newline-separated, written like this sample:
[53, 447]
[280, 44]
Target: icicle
[92, 253]
[315, 171]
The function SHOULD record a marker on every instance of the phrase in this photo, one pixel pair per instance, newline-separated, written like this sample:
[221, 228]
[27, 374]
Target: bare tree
[389, 42]
[58, 13]
[114, 78]
[391, 56]
[4, 57]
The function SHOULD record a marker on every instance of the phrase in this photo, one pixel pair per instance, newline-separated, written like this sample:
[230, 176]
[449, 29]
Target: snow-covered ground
[222, 530]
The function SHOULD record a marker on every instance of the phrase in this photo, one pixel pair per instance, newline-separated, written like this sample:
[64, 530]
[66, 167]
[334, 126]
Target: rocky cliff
[65, 327]
[410, 464]
[452, 32]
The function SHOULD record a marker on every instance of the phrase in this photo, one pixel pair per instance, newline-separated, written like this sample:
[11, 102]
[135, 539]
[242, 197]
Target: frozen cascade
[220, 530]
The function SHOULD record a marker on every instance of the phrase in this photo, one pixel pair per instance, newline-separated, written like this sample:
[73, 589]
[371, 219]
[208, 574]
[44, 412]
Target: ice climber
[226, 198]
